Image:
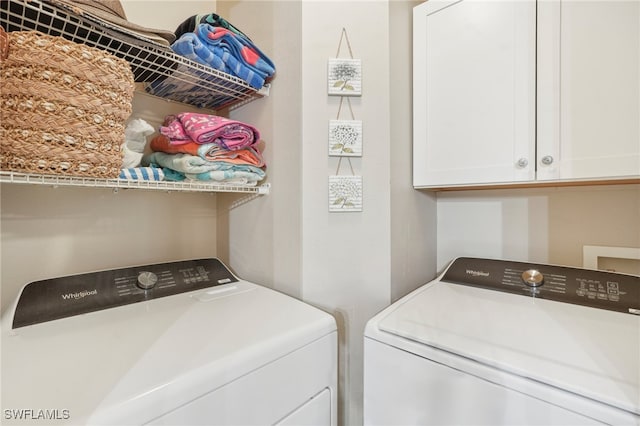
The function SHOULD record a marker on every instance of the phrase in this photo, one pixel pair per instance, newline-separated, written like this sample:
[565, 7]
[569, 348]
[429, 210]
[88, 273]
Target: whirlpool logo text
[477, 273]
[80, 294]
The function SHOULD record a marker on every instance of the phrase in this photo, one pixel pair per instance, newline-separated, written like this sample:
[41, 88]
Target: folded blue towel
[226, 51]
[239, 47]
[190, 46]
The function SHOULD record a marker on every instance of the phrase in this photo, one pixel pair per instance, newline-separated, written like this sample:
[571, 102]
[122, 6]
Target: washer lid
[587, 351]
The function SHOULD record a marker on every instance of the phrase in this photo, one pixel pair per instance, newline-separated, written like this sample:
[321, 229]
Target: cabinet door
[474, 92]
[588, 89]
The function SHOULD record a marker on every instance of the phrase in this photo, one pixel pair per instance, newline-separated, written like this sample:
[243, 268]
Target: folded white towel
[135, 140]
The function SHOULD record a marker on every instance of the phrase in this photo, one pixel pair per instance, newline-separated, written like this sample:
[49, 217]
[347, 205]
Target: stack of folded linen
[214, 42]
[227, 51]
[207, 148]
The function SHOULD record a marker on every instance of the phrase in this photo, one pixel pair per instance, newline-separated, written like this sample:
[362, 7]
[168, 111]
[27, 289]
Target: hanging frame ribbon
[344, 36]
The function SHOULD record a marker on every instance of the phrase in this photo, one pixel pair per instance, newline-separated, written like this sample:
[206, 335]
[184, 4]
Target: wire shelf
[162, 72]
[87, 182]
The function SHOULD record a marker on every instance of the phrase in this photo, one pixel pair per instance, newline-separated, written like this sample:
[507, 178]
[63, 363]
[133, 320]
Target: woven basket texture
[63, 107]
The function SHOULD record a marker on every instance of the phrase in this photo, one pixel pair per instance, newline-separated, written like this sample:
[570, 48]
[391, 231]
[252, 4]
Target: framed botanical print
[345, 77]
[345, 138]
[345, 193]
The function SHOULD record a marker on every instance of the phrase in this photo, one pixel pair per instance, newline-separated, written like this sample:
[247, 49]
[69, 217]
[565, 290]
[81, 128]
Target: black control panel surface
[56, 298]
[597, 289]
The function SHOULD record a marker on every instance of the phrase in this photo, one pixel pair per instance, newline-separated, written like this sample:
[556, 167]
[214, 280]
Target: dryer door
[300, 384]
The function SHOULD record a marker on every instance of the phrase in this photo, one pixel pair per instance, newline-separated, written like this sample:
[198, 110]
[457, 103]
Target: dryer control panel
[56, 298]
[597, 289]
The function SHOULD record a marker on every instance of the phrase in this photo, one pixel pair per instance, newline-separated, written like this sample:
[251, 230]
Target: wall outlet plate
[615, 259]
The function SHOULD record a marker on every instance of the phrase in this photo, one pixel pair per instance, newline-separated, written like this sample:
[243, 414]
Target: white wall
[413, 213]
[47, 232]
[548, 225]
[346, 256]
[263, 236]
[164, 14]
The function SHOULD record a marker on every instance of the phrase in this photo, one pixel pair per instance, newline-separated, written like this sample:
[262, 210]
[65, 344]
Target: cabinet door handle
[547, 160]
[522, 163]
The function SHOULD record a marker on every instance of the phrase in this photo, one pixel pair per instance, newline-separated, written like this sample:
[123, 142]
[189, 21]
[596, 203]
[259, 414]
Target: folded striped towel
[142, 173]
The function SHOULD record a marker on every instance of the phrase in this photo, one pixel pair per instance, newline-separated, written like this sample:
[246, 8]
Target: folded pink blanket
[205, 128]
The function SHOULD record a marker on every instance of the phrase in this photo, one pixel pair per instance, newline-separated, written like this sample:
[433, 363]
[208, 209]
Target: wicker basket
[63, 107]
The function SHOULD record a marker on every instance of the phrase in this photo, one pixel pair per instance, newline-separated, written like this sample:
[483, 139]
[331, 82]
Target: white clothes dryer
[494, 342]
[184, 343]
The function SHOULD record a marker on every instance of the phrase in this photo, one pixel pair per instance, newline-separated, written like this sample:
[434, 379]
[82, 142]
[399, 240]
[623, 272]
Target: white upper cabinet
[524, 91]
[588, 89]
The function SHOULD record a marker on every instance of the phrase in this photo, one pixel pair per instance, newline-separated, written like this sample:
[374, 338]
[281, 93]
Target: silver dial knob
[522, 163]
[532, 278]
[147, 280]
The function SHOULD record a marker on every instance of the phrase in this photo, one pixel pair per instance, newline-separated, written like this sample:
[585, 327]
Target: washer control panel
[57, 298]
[597, 289]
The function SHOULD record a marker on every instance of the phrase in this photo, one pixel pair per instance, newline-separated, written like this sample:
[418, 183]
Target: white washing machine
[493, 342]
[184, 343]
